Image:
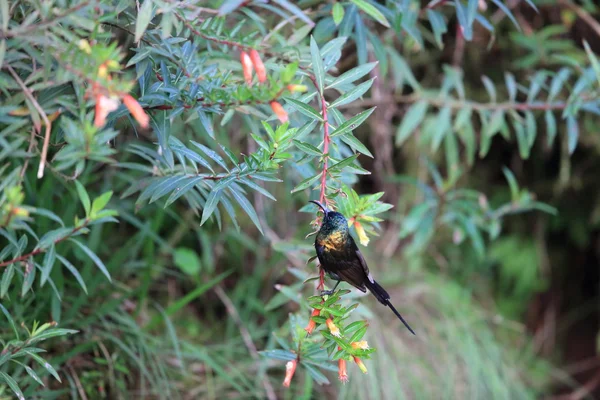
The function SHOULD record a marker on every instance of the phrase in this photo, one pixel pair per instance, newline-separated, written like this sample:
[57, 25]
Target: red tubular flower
[360, 364]
[290, 369]
[342, 373]
[333, 329]
[312, 324]
[246, 67]
[137, 111]
[279, 111]
[261, 71]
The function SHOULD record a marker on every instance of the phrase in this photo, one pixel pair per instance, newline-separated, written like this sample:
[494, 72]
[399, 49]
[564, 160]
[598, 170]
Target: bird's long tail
[384, 298]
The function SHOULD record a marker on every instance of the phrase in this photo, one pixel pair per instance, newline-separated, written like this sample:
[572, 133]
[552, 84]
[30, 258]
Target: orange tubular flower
[312, 324]
[261, 71]
[333, 329]
[363, 345]
[137, 111]
[246, 67]
[342, 373]
[104, 106]
[290, 369]
[360, 364]
[279, 111]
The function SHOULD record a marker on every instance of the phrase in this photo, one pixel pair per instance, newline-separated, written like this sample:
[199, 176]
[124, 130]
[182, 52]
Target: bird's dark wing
[347, 263]
[361, 259]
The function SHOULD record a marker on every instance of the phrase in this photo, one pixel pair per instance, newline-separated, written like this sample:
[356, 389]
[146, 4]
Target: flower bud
[360, 364]
[297, 88]
[290, 369]
[136, 110]
[261, 71]
[279, 111]
[246, 67]
[312, 324]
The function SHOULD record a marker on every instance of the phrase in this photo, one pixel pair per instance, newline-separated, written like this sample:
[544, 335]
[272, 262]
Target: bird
[342, 260]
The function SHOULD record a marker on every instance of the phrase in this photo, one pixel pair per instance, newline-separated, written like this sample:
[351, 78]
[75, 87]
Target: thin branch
[29, 94]
[246, 337]
[42, 250]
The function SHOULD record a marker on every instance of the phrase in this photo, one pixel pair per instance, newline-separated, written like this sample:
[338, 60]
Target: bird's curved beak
[321, 206]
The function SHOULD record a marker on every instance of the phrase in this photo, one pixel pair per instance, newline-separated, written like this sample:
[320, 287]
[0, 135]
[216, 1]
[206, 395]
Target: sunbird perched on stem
[343, 261]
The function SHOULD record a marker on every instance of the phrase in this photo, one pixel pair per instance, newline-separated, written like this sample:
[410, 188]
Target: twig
[326, 140]
[77, 383]
[231, 310]
[41, 250]
[39, 109]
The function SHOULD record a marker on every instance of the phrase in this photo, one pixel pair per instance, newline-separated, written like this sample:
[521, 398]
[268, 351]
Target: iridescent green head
[333, 221]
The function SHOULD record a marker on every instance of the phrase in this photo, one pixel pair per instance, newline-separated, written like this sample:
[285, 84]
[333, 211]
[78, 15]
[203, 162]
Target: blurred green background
[484, 140]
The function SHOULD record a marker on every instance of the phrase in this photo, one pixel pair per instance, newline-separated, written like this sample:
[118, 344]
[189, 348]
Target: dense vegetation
[156, 162]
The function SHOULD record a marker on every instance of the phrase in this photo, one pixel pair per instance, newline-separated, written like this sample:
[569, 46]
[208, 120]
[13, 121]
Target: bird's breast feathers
[333, 241]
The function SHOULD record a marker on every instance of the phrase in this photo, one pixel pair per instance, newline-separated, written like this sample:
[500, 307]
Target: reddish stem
[38, 251]
[321, 285]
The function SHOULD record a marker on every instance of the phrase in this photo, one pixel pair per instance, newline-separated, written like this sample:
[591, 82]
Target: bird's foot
[327, 292]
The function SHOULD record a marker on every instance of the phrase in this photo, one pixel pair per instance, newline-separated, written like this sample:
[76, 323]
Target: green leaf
[550, 127]
[308, 148]
[372, 11]
[13, 385]
[413, 117]
[353, 122]
[101, 202]
[7, 276]
[507, 12]
[512, 183]
[356, 144]
[442, 126]
[353, 94]
[338, 13]
[84, 197]
[230, 5]
[43, 363]
[291, 7]
[10, 320]
[277, 354]
[93, 257]
[572, 133]
[317, 62]
[306, 183]
[304, 109]
[352, 75]
[73, 271]
[593, 60]
[247, 207]
[337, 167]
[438, 24]
[28, 279]
[143, 19]
[211, 203]
[48, 263]
[187, 260]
